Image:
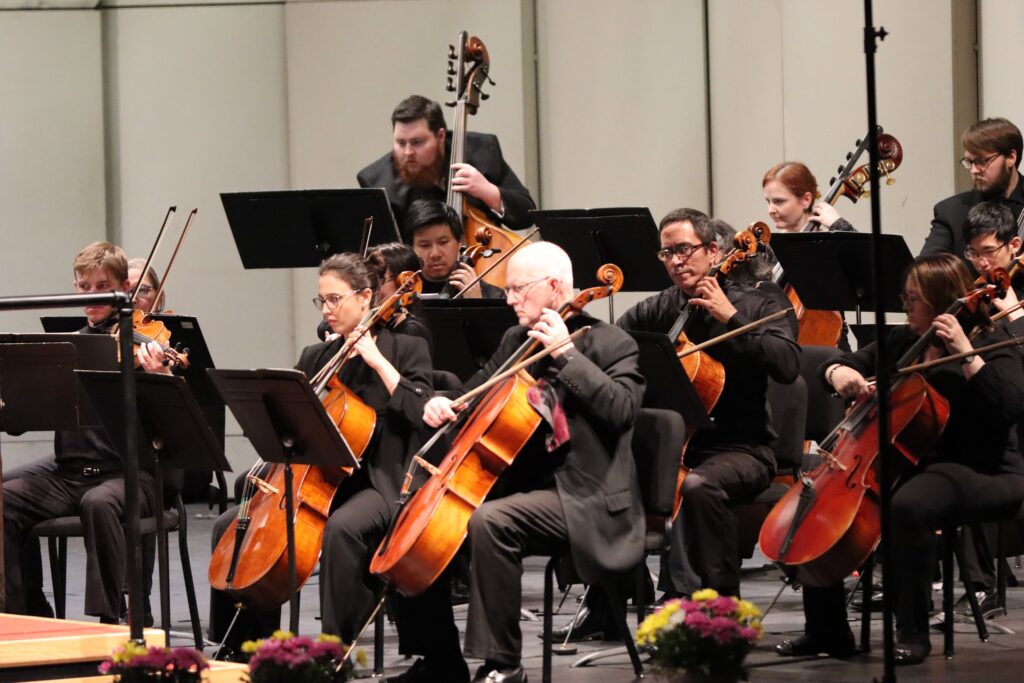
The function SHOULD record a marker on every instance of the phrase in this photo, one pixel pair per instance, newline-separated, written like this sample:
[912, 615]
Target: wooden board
[219, 672]
[38, 641]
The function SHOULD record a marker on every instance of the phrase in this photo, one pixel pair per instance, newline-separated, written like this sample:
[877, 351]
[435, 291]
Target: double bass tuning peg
[849, 155]
[451, 52]
[451, 85]
[839, 169]
[484, 96]
[451, 69]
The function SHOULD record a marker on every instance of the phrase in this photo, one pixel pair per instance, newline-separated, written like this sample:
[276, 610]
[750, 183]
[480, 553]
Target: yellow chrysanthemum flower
[361, 657]
[281, 634]
[747, 610]
[704, 595]
[250, 647]
[328, 638]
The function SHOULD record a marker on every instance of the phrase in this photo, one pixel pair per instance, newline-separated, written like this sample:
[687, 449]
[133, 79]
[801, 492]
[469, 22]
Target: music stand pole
[883, 371]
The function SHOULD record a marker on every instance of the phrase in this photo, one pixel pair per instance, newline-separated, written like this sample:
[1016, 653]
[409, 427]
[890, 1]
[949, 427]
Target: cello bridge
[263, 486]
[831, 461]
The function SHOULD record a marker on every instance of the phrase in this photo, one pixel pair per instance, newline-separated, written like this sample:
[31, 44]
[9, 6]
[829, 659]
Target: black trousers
[941, 495]
[37, 496]
[703, 535]
[501, 534]
[980, 542]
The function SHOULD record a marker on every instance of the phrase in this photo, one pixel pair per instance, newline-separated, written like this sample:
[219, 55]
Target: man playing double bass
[573, 486]
[417, 167]
[733, 460]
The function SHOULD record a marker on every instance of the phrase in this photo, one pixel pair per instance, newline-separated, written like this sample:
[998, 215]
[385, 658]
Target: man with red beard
[417, 167]
[992, 152]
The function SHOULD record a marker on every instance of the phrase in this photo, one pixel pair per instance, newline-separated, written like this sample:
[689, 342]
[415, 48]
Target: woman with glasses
[992, 153]
[144, 299]
[390, 373]
[975, 471]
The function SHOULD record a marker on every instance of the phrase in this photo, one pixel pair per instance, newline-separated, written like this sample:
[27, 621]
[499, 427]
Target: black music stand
[592, 237]
[831, 271]
[24, 368]
[466, 332]
[286, 423]
[63, 323]
[300, 228]
[172, 434]
[668, 387]
[92, 352]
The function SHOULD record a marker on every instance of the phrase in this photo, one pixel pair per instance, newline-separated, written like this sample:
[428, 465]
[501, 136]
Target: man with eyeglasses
[733, 460]
[417, 167]
[992, 153]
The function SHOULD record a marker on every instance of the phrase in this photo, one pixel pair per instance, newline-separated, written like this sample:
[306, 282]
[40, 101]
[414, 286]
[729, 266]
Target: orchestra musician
[391, 373]
[572, 486]
[975, 471]
[733, 460]
[791, 191]
[993, 242]
[417, 167]
[435, 232]
[144, 297]
[86, 477]
[992, 152]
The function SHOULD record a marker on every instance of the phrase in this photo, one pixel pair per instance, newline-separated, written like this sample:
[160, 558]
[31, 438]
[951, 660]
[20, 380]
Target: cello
[468, 67]
[824, 328]
[431, 525]
[827, 524]
[705, 373]
[250, 561]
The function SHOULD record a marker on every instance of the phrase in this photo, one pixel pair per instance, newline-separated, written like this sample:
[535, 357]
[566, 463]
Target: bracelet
[828, 375]
[967, 360]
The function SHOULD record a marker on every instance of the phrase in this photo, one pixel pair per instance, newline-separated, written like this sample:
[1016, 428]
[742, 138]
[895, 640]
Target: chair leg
[186, 568]
[549, 599]
[972, 599]
[1002, 568]
[58, 548]
[378, 643]
[867, 593]
[947, 591]
[617, 612]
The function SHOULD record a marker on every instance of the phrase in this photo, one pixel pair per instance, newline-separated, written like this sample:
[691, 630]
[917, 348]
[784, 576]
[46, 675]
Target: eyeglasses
[145, 290]
[909, 300]
[520, 290]
[980, 164]
[331, 300]
[988, 253]
[683, 251]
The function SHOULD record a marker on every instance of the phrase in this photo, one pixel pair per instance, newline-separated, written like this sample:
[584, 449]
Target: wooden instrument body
[843, 524]
[432, 526]
[817, 328]
[708, 378]
[261, 573]
[480, 231]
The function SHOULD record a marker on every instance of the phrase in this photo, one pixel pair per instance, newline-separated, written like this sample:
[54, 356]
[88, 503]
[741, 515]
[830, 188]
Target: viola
[827, 524]
[705, 373]
[470, 256]
[469, 65]
[251, 560]
[824, 328]
[432, 524]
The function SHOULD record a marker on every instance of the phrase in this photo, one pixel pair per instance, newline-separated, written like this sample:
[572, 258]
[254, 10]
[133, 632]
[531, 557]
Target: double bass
[827, 524]
[468, 66]
[433, 523]
[251, 559]
[705, 373]
[824, 328]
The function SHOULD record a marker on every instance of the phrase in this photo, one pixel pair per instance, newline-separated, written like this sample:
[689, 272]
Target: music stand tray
[466, 332]
[300, 228]
[286, 423]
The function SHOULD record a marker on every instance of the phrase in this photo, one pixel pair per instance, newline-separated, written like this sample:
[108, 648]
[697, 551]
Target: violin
[251, 560]
[824, 328]
[827, 524]
[469, 65]
[705, 373]
[432, 524]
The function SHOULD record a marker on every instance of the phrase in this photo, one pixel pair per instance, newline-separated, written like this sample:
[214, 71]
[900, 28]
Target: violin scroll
[611, 275]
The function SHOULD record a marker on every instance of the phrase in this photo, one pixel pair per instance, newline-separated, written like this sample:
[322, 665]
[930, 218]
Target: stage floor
[997, 660]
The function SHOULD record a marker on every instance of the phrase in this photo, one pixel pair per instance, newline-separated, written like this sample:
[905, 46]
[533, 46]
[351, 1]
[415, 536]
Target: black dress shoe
[459, 592]
[857, 604]
[492, 674]
[905, 654]
[431, 671]
[805, 646]
[588, 625]
[988, 605]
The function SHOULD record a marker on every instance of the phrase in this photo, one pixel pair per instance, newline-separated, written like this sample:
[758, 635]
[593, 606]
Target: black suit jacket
[399, 415]
[947, 233]
[602, 390]
[483, 153]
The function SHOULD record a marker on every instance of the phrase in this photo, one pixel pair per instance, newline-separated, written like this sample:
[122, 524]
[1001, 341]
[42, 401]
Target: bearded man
[417, 167]
[992, 153]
